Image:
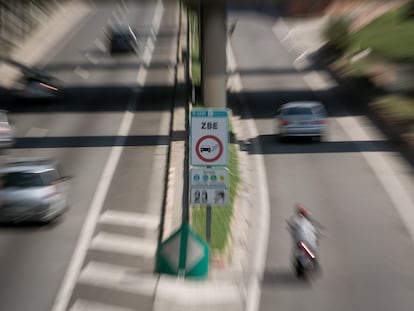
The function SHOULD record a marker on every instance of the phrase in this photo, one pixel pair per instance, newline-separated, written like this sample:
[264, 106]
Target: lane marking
[115, 277]
[124, 244]
[79, 254]
[141, 75]
[87, 305]
[110, 23]
[84, 74]
[91, 58]
[100, 45]
[234, 81]
[385, 174]
[115, 14]
[150, 44]
[129, 219]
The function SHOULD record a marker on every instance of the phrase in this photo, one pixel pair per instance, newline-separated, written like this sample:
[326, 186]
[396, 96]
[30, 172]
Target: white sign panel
[209, 177]
[209, 137]
[208, 196]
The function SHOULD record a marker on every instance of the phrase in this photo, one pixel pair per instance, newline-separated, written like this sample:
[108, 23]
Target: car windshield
[297, 111]
[22, 180]
[50, 176]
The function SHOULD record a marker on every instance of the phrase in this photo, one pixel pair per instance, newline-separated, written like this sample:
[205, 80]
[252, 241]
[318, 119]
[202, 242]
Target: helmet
[302, 211]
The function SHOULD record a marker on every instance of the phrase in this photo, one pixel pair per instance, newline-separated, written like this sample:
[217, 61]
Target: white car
[302, 119]
[6, 131]
[32, 190]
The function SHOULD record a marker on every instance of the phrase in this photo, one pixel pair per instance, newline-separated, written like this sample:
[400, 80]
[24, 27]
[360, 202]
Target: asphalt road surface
[110, 132]
[349, 181]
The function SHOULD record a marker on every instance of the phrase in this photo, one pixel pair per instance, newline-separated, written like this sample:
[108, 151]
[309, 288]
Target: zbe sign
[209, 137]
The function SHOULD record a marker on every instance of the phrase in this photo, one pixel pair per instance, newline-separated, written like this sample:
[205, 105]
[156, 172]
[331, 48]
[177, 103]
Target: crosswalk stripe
[118, 278]
[130, 219]
[87, 305]
[123, 244]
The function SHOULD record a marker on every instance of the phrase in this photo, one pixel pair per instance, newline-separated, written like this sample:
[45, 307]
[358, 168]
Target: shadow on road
[284, 277]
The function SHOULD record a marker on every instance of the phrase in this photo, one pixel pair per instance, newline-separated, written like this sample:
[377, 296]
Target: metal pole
[208, 224]
[213, 53]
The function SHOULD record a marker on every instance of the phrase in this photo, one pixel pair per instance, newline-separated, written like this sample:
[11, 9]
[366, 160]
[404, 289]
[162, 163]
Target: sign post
[209, 148]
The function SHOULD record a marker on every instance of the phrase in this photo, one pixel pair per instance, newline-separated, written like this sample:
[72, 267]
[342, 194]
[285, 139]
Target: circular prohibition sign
[198, 149]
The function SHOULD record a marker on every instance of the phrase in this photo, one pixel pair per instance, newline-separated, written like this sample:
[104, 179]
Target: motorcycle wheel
[300, 271]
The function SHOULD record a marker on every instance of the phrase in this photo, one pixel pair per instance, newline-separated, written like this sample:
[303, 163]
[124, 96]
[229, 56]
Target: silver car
[32, 190]
[303, 119]
[6, 131]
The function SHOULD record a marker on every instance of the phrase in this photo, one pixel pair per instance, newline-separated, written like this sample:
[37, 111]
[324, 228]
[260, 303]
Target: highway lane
[367, 248]
[122, 101]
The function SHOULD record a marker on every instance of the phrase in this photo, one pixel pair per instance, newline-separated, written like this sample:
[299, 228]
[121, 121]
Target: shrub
[337, 34]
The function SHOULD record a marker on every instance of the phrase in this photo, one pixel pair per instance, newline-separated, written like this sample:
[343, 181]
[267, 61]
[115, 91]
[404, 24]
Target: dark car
[34, 84]
[122, 39]
[38, 86]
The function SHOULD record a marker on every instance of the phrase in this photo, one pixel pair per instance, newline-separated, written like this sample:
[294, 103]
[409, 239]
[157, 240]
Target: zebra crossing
[117, 273]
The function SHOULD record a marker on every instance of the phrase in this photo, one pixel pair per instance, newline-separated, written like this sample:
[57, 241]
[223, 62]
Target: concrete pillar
[213, 54]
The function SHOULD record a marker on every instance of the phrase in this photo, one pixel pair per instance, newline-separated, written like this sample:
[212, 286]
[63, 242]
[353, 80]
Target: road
[111, 133]
[355, 182]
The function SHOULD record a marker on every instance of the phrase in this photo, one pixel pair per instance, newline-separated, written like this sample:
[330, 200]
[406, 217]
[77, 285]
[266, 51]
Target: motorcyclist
[303, 228]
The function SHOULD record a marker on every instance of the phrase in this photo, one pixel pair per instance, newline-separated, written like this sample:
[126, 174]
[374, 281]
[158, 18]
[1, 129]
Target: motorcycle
[305, 260]
[305, 254]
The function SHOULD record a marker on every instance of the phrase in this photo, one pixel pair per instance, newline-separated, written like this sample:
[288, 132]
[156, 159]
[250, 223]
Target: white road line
[110, 23]
[91, 58]
[78, 256]
[126, 123]
[141, 75]
[75, 265]
[121, 11]
[84, 74]
[130, 219]
[263, 218]
[115, 14]
[99, 44]
[159, 11]
[124, 244]
[234, 81]
[118, 278]
[384, 172]
[149, 46]
[86, 305]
